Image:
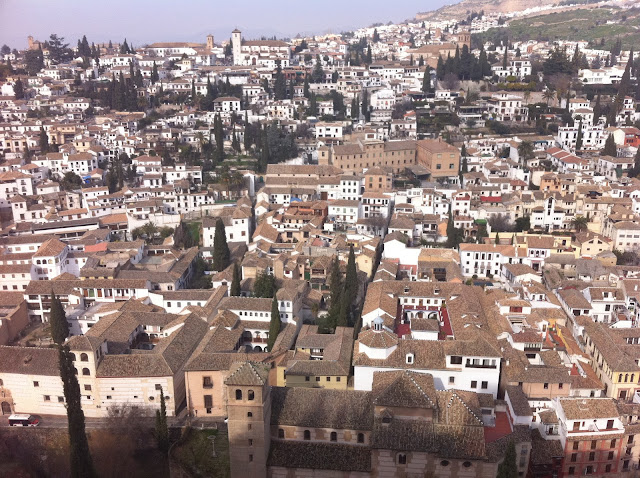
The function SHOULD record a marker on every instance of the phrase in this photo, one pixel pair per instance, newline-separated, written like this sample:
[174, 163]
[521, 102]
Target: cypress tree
[335, 290]
[154, 73]
[497, 238]
[18, 89]
[274, 325]
[218, 133]
[579, 137]
[58, 321]
[351, 285]
[306, 86]
[610, 148]
[235, 283]
[161, 431]
[44, 141]
[508, 468]
[596, 110]
[221, 253]
[79, 454]
[426, 80]
[369, 57]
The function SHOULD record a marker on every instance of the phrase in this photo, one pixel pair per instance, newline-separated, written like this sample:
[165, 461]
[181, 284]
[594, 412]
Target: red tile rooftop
[501, 429]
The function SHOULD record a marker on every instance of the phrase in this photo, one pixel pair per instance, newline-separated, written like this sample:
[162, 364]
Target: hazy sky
[146, 21]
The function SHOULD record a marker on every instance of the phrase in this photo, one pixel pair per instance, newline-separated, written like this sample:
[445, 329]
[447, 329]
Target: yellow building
[319, 360]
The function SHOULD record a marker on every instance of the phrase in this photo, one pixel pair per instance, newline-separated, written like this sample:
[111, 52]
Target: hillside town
[407, 250]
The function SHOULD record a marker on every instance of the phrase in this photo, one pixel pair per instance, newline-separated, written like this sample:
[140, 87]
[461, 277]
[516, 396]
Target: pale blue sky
[146, 21]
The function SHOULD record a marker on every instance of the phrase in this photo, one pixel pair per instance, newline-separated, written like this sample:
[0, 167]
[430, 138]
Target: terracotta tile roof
[248, 373]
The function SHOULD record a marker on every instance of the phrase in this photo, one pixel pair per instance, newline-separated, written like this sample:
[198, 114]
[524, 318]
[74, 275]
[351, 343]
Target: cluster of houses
[497, 274]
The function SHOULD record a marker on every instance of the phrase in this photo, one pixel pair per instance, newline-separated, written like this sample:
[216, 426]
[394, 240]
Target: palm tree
[525, 151]
[548, 95]
[580, 223]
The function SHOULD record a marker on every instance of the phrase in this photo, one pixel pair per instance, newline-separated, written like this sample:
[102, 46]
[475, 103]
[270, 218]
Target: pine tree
[274, 325]
[18, 89]
[221, 253]
[235, 283]
[610, 148]
[161, 431]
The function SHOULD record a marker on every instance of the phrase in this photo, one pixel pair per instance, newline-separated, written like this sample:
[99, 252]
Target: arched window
[73, 356]
[249, 414]
[85, 371]
[250, 395]
[280, 433]
[466, 464]
[360, 437]
[334, 436]
[84, 357]
[238, 394]
[307, 435]
[401, 459]
[444, 463]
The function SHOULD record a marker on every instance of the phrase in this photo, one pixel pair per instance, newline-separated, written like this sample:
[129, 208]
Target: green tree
[58, 321]
[579, 137]
[79, 454]
[335, 292]
[274, 325]
[426, 80]
[317, 75]
[218, 133]
[610, 148]
[161, 431]
[235, 283]
[264, 286]
[508, 468]
[482, 233]
[154, 73]
[18, 89]
[221, 253]
[497, 238]
[58, 50]
[280, 87]
[525, 151]
[351, 286]
[43, 141]
[523, 224]
[376, 36]
[580, 223]
[34, 61]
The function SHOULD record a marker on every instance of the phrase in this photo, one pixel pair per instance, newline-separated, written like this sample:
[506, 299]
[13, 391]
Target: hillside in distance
[600, 27]
[461, 10]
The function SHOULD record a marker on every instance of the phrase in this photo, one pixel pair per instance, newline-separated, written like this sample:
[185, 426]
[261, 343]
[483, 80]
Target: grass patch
[194, 453]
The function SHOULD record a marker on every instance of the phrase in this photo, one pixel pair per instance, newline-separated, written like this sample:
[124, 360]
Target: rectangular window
[484, 385]
[474, 384]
